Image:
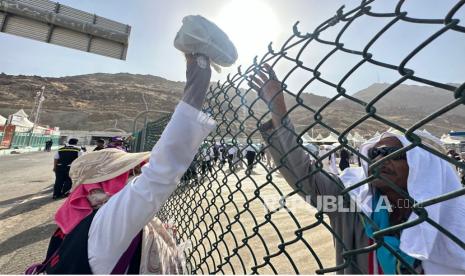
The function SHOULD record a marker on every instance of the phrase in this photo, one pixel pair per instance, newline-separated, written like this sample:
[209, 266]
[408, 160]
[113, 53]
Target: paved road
[26, 209]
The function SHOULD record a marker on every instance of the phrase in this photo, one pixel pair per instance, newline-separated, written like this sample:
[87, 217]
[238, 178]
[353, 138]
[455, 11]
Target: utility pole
[40, 98]
[36, 101]
[144, 129]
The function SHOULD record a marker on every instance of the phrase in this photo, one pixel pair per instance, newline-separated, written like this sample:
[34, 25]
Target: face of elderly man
[395, 171]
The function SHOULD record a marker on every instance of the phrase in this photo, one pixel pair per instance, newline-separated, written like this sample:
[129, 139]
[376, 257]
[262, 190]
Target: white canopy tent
[447, 140]
[358, 138]
[307, 139]
[2, 120]
[330, 139]
[20, 119]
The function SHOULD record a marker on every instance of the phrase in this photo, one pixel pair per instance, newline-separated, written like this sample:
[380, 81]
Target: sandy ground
[227, 223]
[26, 209]
[213, 215]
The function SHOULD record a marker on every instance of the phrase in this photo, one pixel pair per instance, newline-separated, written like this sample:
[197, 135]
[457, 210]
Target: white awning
[446, 139]
[332, 138]
[20, 118]
[358, 138]
[2, 120]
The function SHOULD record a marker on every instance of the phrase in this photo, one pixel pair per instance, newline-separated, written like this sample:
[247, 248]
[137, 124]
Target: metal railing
[21, 139]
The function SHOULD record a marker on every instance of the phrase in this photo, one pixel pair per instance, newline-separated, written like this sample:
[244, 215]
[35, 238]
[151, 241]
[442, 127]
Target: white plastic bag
[201, 36]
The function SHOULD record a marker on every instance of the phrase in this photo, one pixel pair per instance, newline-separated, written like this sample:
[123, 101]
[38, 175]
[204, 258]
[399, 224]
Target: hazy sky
[251, 24]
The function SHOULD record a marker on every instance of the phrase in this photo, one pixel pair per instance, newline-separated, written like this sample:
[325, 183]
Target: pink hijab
[77, 207]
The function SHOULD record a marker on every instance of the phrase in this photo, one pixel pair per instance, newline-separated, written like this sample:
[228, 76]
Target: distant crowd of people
[461, 159]
[236, 156]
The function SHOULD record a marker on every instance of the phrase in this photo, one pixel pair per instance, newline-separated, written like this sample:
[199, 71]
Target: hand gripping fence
[244, 220]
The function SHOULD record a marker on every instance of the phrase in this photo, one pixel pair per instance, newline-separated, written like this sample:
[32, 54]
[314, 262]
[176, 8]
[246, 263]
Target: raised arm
[279, 134]
[126, 213]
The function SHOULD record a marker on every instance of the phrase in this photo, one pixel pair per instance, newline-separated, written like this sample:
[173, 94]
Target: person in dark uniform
[250, 156]
[344, 162]
[216, 153]
[62, 162]
[48, 145]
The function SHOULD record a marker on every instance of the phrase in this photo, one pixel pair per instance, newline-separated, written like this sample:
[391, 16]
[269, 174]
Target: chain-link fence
[145, 139]
[236, 207]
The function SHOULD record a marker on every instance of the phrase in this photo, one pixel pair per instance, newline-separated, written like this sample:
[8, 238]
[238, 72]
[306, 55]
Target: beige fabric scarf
[160, 254]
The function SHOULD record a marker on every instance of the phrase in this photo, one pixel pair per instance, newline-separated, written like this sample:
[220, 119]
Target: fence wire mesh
[234, 206]
[153, 132]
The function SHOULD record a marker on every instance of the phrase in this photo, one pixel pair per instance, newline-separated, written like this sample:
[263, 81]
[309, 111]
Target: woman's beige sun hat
[98, 166]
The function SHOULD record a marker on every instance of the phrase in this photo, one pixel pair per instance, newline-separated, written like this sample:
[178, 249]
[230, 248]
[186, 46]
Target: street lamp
[41, 98]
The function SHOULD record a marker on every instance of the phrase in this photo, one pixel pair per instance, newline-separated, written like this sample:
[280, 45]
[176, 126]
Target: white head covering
[429, 177]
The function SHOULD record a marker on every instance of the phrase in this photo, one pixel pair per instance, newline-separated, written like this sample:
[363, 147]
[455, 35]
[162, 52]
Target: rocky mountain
[418, 99]
[101, 101]
[96, 101]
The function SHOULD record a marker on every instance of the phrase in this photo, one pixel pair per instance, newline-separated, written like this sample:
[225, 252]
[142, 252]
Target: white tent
[424, 130]
[21, 113]
[447, 140]
[307, 139]
[20, 119]
[331, 139]
[358, 138]
[2, 120]
[319, 136]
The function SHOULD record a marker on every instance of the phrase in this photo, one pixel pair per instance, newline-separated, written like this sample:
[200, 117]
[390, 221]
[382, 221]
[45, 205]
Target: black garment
[344, 162]
[97, 148]
[191, 173]
[207, 165]
[67, 155]
[224, 153]
[230, 161]
[250, 156]
[63, 182]
[216, 153]
[48, 145]
[68, 254]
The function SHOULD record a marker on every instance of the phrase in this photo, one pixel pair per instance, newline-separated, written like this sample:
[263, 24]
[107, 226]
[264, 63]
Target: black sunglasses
[385, 151]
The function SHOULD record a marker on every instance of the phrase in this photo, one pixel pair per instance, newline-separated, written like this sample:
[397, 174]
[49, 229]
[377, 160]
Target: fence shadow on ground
[38, 200]
[27, 237]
